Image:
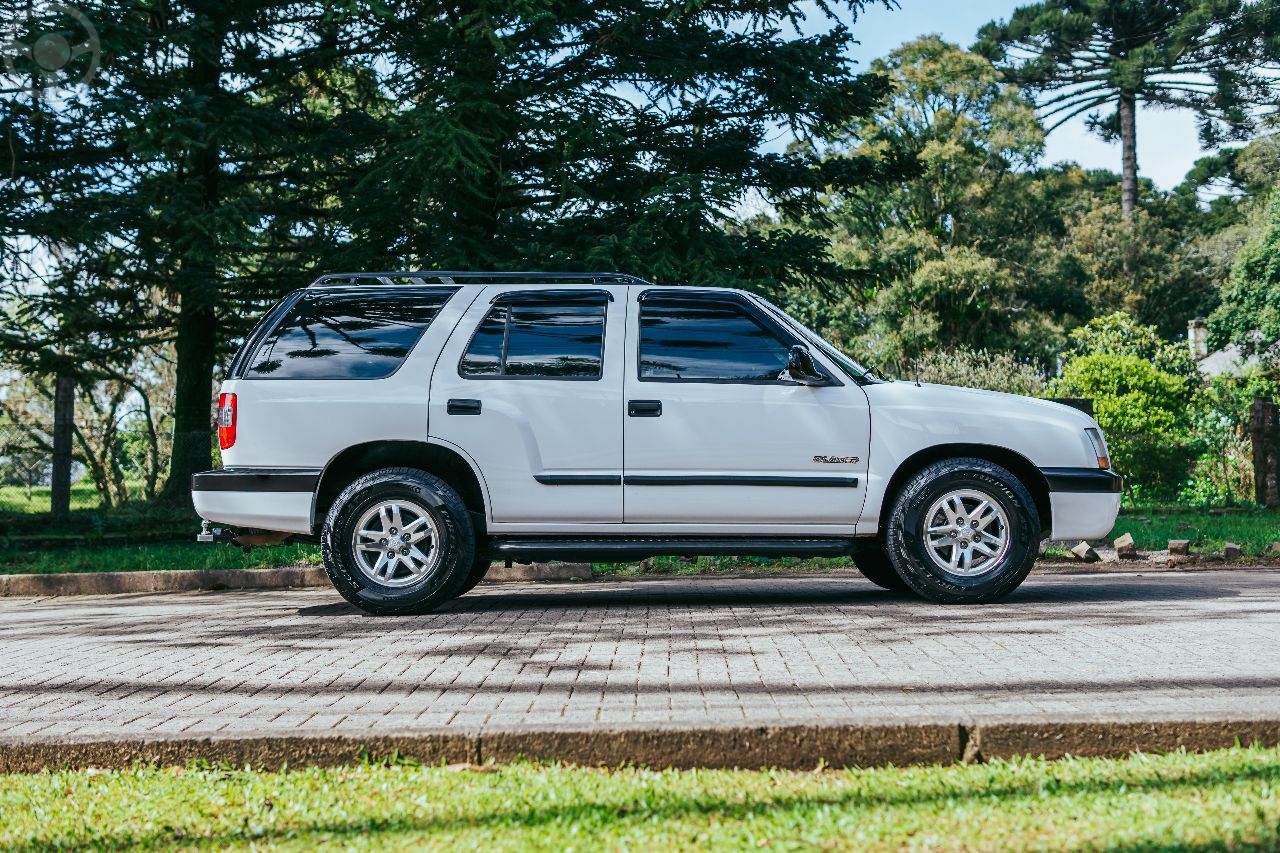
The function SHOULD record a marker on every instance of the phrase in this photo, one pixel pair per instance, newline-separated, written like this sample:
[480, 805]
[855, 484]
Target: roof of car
[454, 277]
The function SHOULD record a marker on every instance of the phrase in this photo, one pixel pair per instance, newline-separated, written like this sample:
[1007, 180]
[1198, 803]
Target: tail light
[226, 420]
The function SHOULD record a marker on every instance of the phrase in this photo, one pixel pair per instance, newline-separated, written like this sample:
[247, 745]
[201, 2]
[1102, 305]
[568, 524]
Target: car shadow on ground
[820, 592]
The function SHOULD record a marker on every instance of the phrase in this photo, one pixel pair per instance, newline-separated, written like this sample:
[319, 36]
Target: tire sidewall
[425, 490]
[907, 541]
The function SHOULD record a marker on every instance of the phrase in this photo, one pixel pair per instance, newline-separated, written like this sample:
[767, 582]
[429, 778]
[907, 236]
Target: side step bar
[616, 549]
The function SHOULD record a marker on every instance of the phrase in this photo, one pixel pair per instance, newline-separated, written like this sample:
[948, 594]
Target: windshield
[855, 371]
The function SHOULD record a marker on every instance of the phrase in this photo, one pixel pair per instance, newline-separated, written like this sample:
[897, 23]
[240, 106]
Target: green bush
[979, 369]
[1145, 414]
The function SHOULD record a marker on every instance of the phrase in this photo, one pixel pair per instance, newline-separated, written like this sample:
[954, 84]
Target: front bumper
[1084, 502]
[262, 498]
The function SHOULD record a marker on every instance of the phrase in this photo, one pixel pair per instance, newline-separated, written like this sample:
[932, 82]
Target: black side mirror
[800, 367]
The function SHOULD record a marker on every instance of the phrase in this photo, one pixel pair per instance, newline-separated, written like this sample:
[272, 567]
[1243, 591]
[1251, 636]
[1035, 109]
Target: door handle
[463, 407]
[644, 408]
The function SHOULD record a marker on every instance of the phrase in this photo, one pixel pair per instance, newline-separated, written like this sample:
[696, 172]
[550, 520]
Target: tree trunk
[64, 408]
[1129, 154]
[196, 340]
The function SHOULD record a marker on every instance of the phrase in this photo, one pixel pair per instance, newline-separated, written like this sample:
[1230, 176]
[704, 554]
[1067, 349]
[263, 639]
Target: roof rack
[460, 277]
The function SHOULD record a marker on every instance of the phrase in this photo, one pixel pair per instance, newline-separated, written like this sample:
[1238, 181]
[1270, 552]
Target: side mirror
[801, 369]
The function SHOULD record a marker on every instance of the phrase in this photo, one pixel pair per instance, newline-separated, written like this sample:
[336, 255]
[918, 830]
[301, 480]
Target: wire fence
[26, 468]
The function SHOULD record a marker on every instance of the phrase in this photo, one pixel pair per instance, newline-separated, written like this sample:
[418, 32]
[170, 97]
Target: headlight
[1099, 447]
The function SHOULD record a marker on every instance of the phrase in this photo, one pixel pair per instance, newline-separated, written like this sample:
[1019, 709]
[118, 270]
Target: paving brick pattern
[697, 652]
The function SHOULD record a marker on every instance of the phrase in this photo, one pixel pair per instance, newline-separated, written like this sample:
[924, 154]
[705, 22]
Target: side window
[543, 340]
[346, 334]
[706, 340]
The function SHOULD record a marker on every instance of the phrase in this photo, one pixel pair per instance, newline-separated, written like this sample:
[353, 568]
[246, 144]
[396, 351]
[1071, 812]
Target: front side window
[707, 340]
[346, 334]
[537, 340]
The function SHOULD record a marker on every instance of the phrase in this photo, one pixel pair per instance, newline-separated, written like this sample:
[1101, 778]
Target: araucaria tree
[1105, 57]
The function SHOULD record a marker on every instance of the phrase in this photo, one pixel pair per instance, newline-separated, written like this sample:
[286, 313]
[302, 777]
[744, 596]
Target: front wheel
[963, 531]
[398, 540]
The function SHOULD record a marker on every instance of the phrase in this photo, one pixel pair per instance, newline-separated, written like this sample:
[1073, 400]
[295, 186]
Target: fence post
[64, 407]
[1264, 432]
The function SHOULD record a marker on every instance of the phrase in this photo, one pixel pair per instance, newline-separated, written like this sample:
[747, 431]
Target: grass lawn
[83, 496]
[1153, 528]
[153, 557]
[1228, 800]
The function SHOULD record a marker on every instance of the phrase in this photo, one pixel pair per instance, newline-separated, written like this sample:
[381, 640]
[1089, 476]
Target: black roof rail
[472, 277]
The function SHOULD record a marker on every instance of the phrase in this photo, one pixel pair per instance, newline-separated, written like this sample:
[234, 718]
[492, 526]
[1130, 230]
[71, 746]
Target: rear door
[530, 387]
[715, 437]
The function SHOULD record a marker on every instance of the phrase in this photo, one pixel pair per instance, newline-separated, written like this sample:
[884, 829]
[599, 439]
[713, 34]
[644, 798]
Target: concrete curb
[748, 747]
[117, 583]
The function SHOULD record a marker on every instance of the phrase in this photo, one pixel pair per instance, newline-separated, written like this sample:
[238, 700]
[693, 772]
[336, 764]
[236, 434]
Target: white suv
[422, 425]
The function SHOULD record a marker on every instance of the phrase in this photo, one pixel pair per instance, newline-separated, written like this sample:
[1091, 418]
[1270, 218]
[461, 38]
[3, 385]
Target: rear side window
[543, 341]
[706, 340]
[346, 334]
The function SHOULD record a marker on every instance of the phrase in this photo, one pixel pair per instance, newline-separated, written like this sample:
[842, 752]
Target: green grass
[1228, 800]
[15, 499]
[153, 557]
[1152, 529]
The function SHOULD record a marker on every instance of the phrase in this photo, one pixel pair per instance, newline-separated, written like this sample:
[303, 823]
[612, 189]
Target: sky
[1167, 141]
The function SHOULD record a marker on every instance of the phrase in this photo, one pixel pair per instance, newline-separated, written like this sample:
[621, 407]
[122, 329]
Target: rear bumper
[1084, 502]
[263, 498]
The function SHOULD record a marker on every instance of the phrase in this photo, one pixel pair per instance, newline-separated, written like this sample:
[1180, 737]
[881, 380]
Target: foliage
[1214, 58]
[152, 557]
[1220, 421]
[1142, 390]
[958, 254]
[1249, 315]
[227, 151]
[1221, 800]
[978, 369]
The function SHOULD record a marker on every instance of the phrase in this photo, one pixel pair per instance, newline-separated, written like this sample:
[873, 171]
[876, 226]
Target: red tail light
[226, 420]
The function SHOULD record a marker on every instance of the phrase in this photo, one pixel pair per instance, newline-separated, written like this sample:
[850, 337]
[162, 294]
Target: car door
[714, 437]
[529, 387]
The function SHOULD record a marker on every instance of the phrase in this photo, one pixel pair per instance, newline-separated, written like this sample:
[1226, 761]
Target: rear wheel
[479, 568]
[398, 540]
[875, 565]
[963, 531]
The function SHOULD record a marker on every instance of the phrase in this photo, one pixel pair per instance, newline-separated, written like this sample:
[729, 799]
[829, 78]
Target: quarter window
[546, 341]
[706, 340]
[346, 334]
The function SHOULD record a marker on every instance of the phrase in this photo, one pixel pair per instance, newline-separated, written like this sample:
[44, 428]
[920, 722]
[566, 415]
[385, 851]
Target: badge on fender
[837, 460]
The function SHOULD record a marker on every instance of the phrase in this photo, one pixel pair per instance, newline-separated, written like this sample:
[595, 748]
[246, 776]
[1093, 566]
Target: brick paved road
[688, 652]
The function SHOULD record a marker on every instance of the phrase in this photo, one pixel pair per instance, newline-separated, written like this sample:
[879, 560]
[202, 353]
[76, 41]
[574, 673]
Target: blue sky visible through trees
[1167, 141]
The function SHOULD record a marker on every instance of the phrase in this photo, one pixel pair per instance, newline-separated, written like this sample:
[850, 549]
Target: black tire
[994, 576]
[441, 507]
[479, 568]
[875, 565]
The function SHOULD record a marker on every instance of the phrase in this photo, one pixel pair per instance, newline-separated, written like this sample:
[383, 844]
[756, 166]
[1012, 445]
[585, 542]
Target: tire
[407, 579]
[875, 565]
[479, 568]
[950, 496]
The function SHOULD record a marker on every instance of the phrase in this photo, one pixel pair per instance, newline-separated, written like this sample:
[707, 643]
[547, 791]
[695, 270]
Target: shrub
[979, 369]
[1145, 414]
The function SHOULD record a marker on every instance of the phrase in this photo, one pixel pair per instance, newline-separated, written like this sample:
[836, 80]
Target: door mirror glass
[800, 367]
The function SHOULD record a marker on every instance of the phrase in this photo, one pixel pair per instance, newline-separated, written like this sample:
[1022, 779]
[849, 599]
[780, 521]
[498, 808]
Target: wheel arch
[357, 460]
[1017, 464]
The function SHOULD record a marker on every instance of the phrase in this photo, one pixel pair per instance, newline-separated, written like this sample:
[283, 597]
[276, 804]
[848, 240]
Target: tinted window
[546, 340]
[346, 334]
[706, 339]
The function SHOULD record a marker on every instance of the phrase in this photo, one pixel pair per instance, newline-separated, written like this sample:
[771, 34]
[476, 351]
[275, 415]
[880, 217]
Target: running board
[617, 549]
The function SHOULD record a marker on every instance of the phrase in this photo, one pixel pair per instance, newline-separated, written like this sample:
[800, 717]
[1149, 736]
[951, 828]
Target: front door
[529, 388]
[714, 437]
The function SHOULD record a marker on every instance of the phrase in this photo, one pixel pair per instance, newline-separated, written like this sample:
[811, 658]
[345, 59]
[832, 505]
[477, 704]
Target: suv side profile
[423, 425]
